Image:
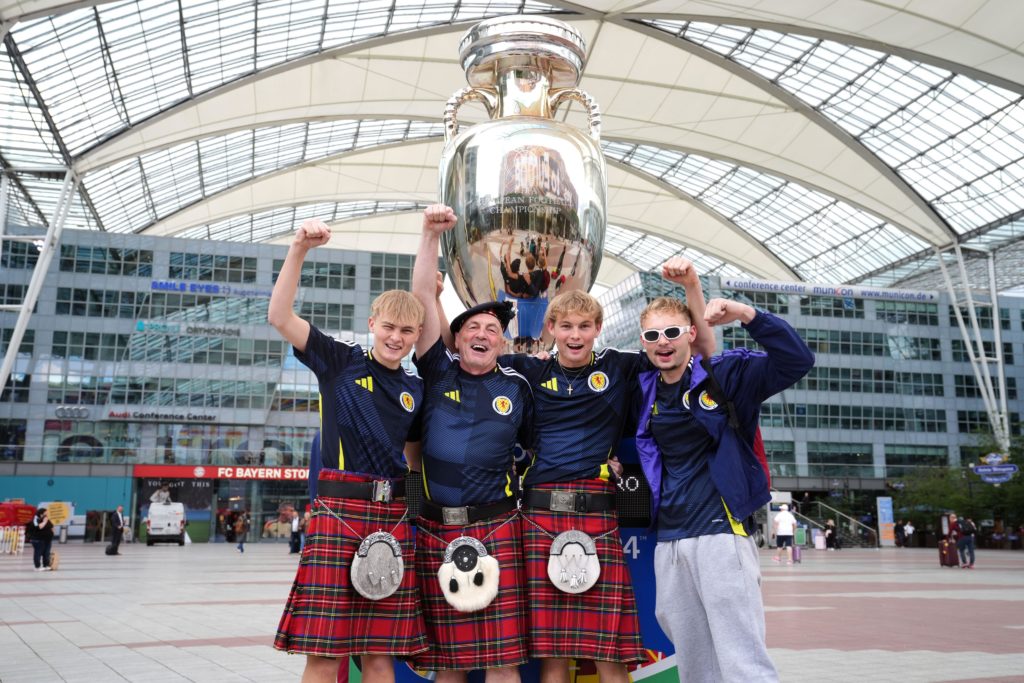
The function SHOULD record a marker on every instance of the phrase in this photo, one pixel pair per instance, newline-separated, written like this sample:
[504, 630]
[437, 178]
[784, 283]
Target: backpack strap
[719, 395]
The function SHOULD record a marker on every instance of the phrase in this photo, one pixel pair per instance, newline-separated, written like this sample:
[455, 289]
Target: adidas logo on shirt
[453, 395]
[365, 382]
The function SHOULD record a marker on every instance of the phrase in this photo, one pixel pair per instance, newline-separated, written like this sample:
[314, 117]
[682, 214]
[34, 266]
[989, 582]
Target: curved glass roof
[267, 225]
[133, 194]
[957, 141]
[941, 144]
[823, 238]
[122, 62]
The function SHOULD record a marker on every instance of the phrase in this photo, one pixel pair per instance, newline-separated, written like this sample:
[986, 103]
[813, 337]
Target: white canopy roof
[781, 139]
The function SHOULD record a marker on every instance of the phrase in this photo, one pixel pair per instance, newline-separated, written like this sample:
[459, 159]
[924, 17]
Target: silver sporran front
[573, 566]
[469, 575]
[377, 567]
[529, 191]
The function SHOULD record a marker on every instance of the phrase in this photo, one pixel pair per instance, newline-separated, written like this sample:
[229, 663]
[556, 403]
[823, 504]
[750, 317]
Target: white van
[166, 523]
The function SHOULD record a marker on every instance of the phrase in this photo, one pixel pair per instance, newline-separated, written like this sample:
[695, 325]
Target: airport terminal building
[149, 361]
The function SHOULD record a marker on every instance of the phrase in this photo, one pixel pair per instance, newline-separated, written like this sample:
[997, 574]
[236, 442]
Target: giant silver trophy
[529, 191]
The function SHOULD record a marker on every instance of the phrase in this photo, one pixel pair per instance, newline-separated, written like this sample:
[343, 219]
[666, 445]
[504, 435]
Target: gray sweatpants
[709, 605]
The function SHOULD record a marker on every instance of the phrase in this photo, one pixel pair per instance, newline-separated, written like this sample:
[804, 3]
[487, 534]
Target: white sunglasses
[671, 332]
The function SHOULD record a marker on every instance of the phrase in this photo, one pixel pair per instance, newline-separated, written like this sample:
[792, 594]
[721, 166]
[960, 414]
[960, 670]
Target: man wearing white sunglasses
[696, 444]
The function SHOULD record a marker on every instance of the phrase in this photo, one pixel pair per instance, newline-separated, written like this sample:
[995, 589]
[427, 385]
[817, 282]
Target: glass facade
[173, 362]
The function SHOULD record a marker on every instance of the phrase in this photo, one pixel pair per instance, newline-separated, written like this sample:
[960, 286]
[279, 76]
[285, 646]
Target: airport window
[27, 341]
[329, 317]
[849, 343]
[960, 351]
[106, 261]
[296, 401]
[869, 381]
[74, 389]
[12, 295]
[967, 387]
[984, 314]
[288, 446]
[737, 338]
[781, 458]
[173, 307]
[12, 439]
[901, 460]
[16, 389]
[195, 444]
[976, 422]
[211, 350]
[831, 307]
[908, 312]
[321, 275]
[872, 418]
[390, 271]
[89, 345]
[87, 441]
[840, 459]
[97, 303]
[18, 255]
[190, 393]
[212, 267]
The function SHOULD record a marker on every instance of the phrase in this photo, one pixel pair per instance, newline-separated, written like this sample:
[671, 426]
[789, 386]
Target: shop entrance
[234, 496]
[273, 510]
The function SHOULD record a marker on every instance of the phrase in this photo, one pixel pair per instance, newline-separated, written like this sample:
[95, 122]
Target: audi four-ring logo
[72, 411]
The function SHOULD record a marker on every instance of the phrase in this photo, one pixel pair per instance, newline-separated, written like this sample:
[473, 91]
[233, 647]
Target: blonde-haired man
[695, 442]
[583, 402]
[369, 408]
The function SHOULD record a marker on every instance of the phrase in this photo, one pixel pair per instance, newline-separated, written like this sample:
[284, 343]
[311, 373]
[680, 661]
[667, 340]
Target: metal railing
[852, 532]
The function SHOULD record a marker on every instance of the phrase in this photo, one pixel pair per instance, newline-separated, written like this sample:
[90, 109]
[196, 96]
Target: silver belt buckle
[382, 491]
[562, 501]
[455, 515]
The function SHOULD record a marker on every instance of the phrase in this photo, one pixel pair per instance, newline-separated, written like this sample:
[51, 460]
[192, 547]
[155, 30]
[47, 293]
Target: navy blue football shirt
[690, 503]
[367, 411]
[471, 424]
[580, 412]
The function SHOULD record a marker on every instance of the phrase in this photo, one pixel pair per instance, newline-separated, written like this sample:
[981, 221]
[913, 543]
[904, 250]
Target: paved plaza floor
[207, 613]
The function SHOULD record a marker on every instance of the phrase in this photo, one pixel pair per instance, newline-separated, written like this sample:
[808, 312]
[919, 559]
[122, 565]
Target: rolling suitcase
[796, 553]
[54, 560]
[947, 554]
[109, 550]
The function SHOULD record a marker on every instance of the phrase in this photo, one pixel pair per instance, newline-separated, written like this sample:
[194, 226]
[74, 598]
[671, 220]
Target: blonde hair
[574, 301]
[666, 304]
[399, 307]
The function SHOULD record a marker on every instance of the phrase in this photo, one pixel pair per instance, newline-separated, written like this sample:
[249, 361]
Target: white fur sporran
[468, 575]
[378, 567]
[573, 566]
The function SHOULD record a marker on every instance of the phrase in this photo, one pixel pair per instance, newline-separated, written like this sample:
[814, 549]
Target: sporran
[469, 575]
[573, 566]
[377, 566]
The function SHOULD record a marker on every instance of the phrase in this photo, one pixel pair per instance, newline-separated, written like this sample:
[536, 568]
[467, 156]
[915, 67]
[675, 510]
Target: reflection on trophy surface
[529, 191]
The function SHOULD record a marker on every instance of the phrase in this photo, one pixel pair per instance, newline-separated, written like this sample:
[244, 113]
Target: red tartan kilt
[324, 615]
[599, 624]
[492, 637]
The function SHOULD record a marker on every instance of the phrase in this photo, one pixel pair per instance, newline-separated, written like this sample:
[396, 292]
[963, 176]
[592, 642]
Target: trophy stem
[523, 91]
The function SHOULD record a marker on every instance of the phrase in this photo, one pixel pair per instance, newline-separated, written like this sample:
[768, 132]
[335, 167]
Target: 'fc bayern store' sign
[220, 472]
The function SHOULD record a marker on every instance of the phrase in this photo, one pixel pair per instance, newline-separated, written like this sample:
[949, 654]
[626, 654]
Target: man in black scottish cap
[469, 557]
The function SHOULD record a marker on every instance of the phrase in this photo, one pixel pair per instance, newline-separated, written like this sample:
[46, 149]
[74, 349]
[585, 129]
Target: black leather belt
[568, 501]
[382, 491]
[465, 515]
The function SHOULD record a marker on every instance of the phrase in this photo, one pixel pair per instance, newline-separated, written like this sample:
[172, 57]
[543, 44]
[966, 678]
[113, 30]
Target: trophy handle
[593, 110]
[451, 108]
